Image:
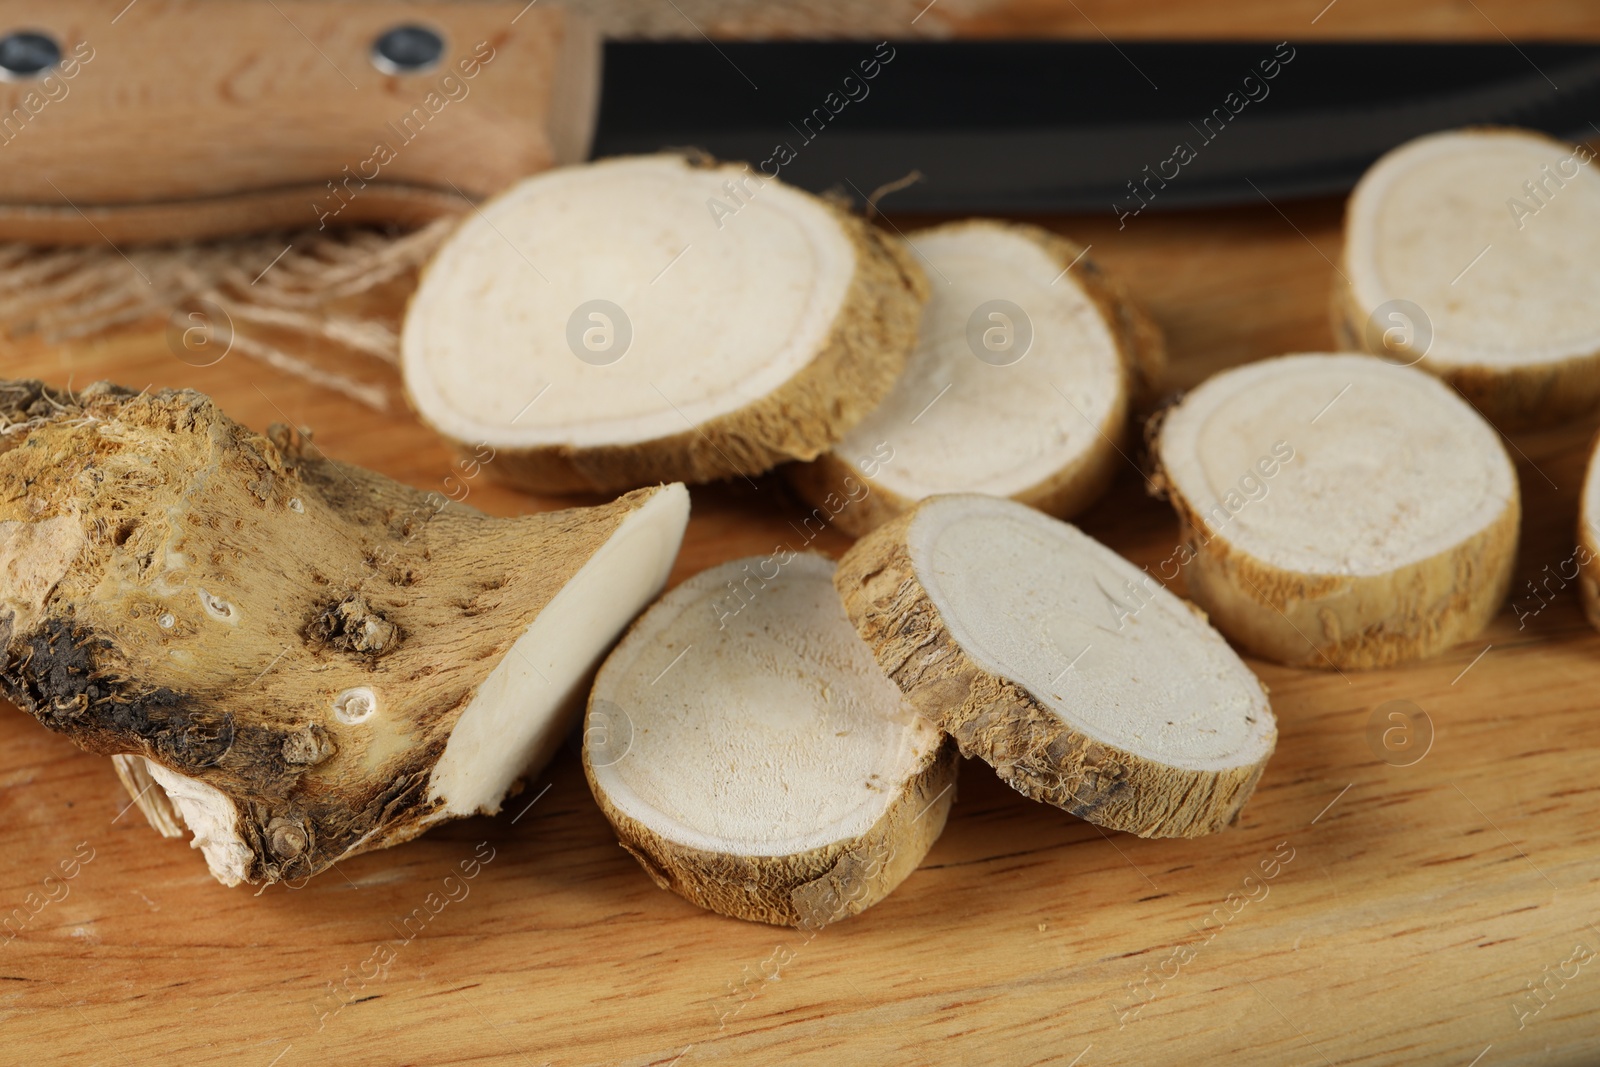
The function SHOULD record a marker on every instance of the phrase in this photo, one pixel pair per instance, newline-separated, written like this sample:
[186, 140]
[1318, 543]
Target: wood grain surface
[1407, 911]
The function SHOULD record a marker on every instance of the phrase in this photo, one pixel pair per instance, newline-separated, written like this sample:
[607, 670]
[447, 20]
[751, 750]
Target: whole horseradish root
[308, 659]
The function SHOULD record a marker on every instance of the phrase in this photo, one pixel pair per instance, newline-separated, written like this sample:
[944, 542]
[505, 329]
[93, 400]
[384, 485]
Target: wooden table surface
[1410, 908]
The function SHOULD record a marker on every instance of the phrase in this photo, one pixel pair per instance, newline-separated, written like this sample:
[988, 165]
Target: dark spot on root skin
[72, 680]
[55, 675]
[353, 626]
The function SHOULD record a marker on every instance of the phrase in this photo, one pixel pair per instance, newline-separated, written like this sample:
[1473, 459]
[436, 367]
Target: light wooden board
[1418, 903]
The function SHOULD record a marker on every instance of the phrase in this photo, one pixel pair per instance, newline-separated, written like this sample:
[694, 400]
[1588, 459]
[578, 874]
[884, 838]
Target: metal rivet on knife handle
[407, 50]
[27, 54]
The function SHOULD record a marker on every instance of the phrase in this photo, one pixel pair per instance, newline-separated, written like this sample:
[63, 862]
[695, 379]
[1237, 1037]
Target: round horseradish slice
[751, 756]
[1075, 674]
[1475, 254]
[1019, 385]
[619, 324]
[1339, 511]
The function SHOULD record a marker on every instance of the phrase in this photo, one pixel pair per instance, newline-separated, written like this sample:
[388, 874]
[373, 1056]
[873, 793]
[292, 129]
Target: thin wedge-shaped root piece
[1473, 255]
[1026, 363]
[1338, 511]
[751, 756]
[646, 319]
[146, 794]
[309, 659]
[1076, 675]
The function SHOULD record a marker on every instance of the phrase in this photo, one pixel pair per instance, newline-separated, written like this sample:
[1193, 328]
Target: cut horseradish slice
[756, 762]
[604, 327]
[1075, 674]
[308, 659]
[1019, 385]
[1474, 254]
[1339, 511]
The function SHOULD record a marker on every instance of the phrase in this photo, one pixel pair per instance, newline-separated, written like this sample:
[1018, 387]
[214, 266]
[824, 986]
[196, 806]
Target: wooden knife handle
[172, 119]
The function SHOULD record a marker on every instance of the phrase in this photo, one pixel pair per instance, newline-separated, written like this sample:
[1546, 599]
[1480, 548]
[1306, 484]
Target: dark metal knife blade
[1054, 126]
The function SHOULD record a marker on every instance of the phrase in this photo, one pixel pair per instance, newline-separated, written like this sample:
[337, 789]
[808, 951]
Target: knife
[185, 119]
[1058, 126]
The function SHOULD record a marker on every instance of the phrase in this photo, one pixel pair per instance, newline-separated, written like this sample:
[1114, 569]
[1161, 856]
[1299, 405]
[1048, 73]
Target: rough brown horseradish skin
[308, 659]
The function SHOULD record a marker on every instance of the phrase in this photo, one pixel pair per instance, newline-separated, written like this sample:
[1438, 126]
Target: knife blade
[1068, 126]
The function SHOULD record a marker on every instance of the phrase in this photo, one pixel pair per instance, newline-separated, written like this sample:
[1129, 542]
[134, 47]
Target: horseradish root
[1339, 511]
[1473, 254]
[1075, 674]
[1019, 385]
[646, 319]
[308, 659]
[751, 756]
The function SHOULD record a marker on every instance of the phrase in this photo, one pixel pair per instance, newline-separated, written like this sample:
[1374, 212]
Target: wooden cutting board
[1407, 910]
